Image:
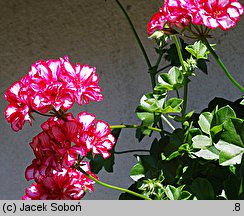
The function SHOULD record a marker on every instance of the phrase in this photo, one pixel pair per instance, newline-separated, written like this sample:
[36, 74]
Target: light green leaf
[137, 171]
[242, 102]
[201, 142]
[172, 105]
[210, 153]
[172, 80]
[229, 154]
[204, 122]
[147, 120]
[198, 50]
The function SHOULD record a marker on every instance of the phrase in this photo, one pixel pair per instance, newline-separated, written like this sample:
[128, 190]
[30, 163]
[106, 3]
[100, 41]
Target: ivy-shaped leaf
[174, 193]
[229, 154]
[198, 50]
[201, 142]
[173, 105]
[204, 122]
[172, 80]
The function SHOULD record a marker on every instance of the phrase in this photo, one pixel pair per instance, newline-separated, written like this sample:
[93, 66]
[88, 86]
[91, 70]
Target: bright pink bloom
[51, 85]
[18, 111]
[177, 12]
[210, 13]
[68, 184]
[84, 80]
[157, 22]
[96, 135]
[51, 148]
[61, 141]
[217, 13]
[48, 90]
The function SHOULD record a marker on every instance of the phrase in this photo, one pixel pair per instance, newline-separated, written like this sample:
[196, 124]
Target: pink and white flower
[68, 184]
[210, 13]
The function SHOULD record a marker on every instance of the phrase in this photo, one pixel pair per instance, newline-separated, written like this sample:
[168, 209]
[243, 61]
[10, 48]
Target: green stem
[135, 33]
[111, 186]
[138, 126]
[183, 112]
[166, 120]
[177, 44]
[221, 64]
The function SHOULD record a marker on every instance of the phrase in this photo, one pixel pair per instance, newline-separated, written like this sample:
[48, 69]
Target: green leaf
[151, 103]
[204, 122]
[137, 170]
[198, 50]
[98, 162]
[232, 187]
[172, 105]
[229, 154]
[202, 189]
[216, 129]
[172, 80]
[233, 132]
[174, 193]
[224, 114]
[201, 142]
[147, 120]
[210, 153]
[242, 102]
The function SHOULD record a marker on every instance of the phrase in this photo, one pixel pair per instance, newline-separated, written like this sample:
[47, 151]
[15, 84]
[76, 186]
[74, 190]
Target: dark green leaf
[224, 114]
[98, 162]
[202, 189]
[233, 132]
[232, 187]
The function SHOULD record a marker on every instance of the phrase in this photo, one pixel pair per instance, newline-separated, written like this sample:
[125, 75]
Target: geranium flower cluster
[68, 184]
[50, 88]
[62, 141]
[210, 13]
[52, 85]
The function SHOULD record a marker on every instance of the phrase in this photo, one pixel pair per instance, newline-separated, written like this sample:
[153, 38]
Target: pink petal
[87, 120]
[102, 128]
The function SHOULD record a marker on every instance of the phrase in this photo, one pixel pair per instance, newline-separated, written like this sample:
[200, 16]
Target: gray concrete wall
[94, 32]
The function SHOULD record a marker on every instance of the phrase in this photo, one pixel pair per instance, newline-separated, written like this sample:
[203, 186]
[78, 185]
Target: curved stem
[221, 64]
[185, 80]
[138, 126]
[177, 44]
[135, 33]
[111, 186]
